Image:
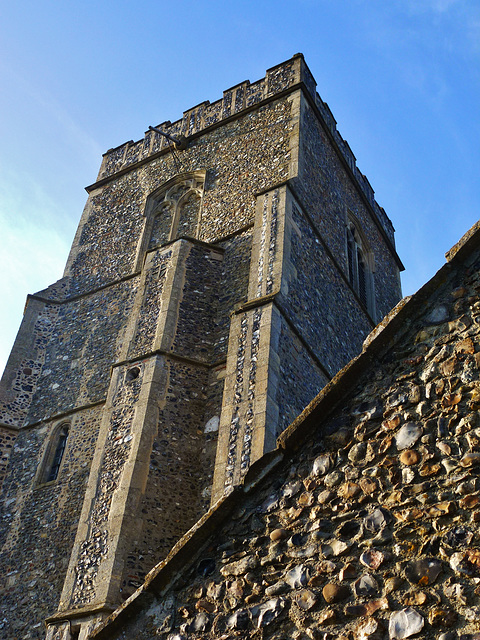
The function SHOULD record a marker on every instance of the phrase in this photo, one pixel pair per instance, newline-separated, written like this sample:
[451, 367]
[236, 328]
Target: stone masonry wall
[283, 77]
[116, 453]
[322, 307]
[22, 374]
[234, 101]
[234, 278]
[24, 367]
[327, 192]
[38, 522]
[76, 362]
[7, 440]
[250, 153]
[370, 529]
[299, 377]
[75, 343]
[179, 472]
[143, 340]
[195, 330]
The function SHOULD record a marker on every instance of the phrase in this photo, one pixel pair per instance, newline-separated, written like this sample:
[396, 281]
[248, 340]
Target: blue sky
[402, 78]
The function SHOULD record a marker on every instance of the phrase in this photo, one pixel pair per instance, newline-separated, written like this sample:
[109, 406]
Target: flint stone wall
[181, 466]
[7, 440]
[76, 366]
[251, 153]
[299, 377]
[324, 310]
[327, 192]
[78, 328]
[38, 522]
[369, 526]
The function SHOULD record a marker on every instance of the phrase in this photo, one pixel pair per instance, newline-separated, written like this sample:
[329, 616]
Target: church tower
[220, 276]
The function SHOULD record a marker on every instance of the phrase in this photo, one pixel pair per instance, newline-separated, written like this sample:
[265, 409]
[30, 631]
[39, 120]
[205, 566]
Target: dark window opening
[132, 374]
[359, 274]
[54, 462]
[351, 254]
[74, 633]
[362, 279]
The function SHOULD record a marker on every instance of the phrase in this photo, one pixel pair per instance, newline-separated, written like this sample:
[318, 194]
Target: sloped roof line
[383, 336]
[387, 333]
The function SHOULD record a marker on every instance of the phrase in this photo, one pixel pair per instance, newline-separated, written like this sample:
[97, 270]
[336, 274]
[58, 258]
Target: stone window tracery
[174, 210]
[161, 225]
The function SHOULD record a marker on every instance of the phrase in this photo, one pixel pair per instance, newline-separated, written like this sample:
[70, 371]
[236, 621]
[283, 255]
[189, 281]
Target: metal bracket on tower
[180, 142]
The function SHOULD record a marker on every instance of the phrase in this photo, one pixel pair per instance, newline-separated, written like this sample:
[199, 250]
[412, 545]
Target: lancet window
[54, 455]
[359, 264]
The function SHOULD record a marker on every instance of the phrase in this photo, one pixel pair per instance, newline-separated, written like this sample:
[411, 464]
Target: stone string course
[369, 530]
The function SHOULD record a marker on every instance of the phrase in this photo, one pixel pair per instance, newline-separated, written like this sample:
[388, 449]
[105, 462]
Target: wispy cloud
[41, 99]
[33, 250]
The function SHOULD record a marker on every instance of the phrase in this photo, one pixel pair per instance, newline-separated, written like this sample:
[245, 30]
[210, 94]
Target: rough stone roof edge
[385, 335]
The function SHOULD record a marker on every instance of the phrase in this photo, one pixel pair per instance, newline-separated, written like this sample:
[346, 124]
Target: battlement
[286, 76]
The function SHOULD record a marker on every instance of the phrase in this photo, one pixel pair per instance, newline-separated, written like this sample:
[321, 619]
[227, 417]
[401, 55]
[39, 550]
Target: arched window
[54, 455]
[173, 211]
[188, 215]
[359, 264]
[161, 225]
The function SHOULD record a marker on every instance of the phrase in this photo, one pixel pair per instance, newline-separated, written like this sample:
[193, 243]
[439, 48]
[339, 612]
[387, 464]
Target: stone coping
[280, 80]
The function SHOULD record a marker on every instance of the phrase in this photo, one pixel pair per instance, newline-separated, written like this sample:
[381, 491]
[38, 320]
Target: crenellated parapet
[283, 77]
[235, 100]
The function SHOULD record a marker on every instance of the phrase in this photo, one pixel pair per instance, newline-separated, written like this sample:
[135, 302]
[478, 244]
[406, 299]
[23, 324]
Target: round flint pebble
[335, 592]
[405, 623]
[278, 534]
[321, 465]
[409, 457]
[408, 436]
